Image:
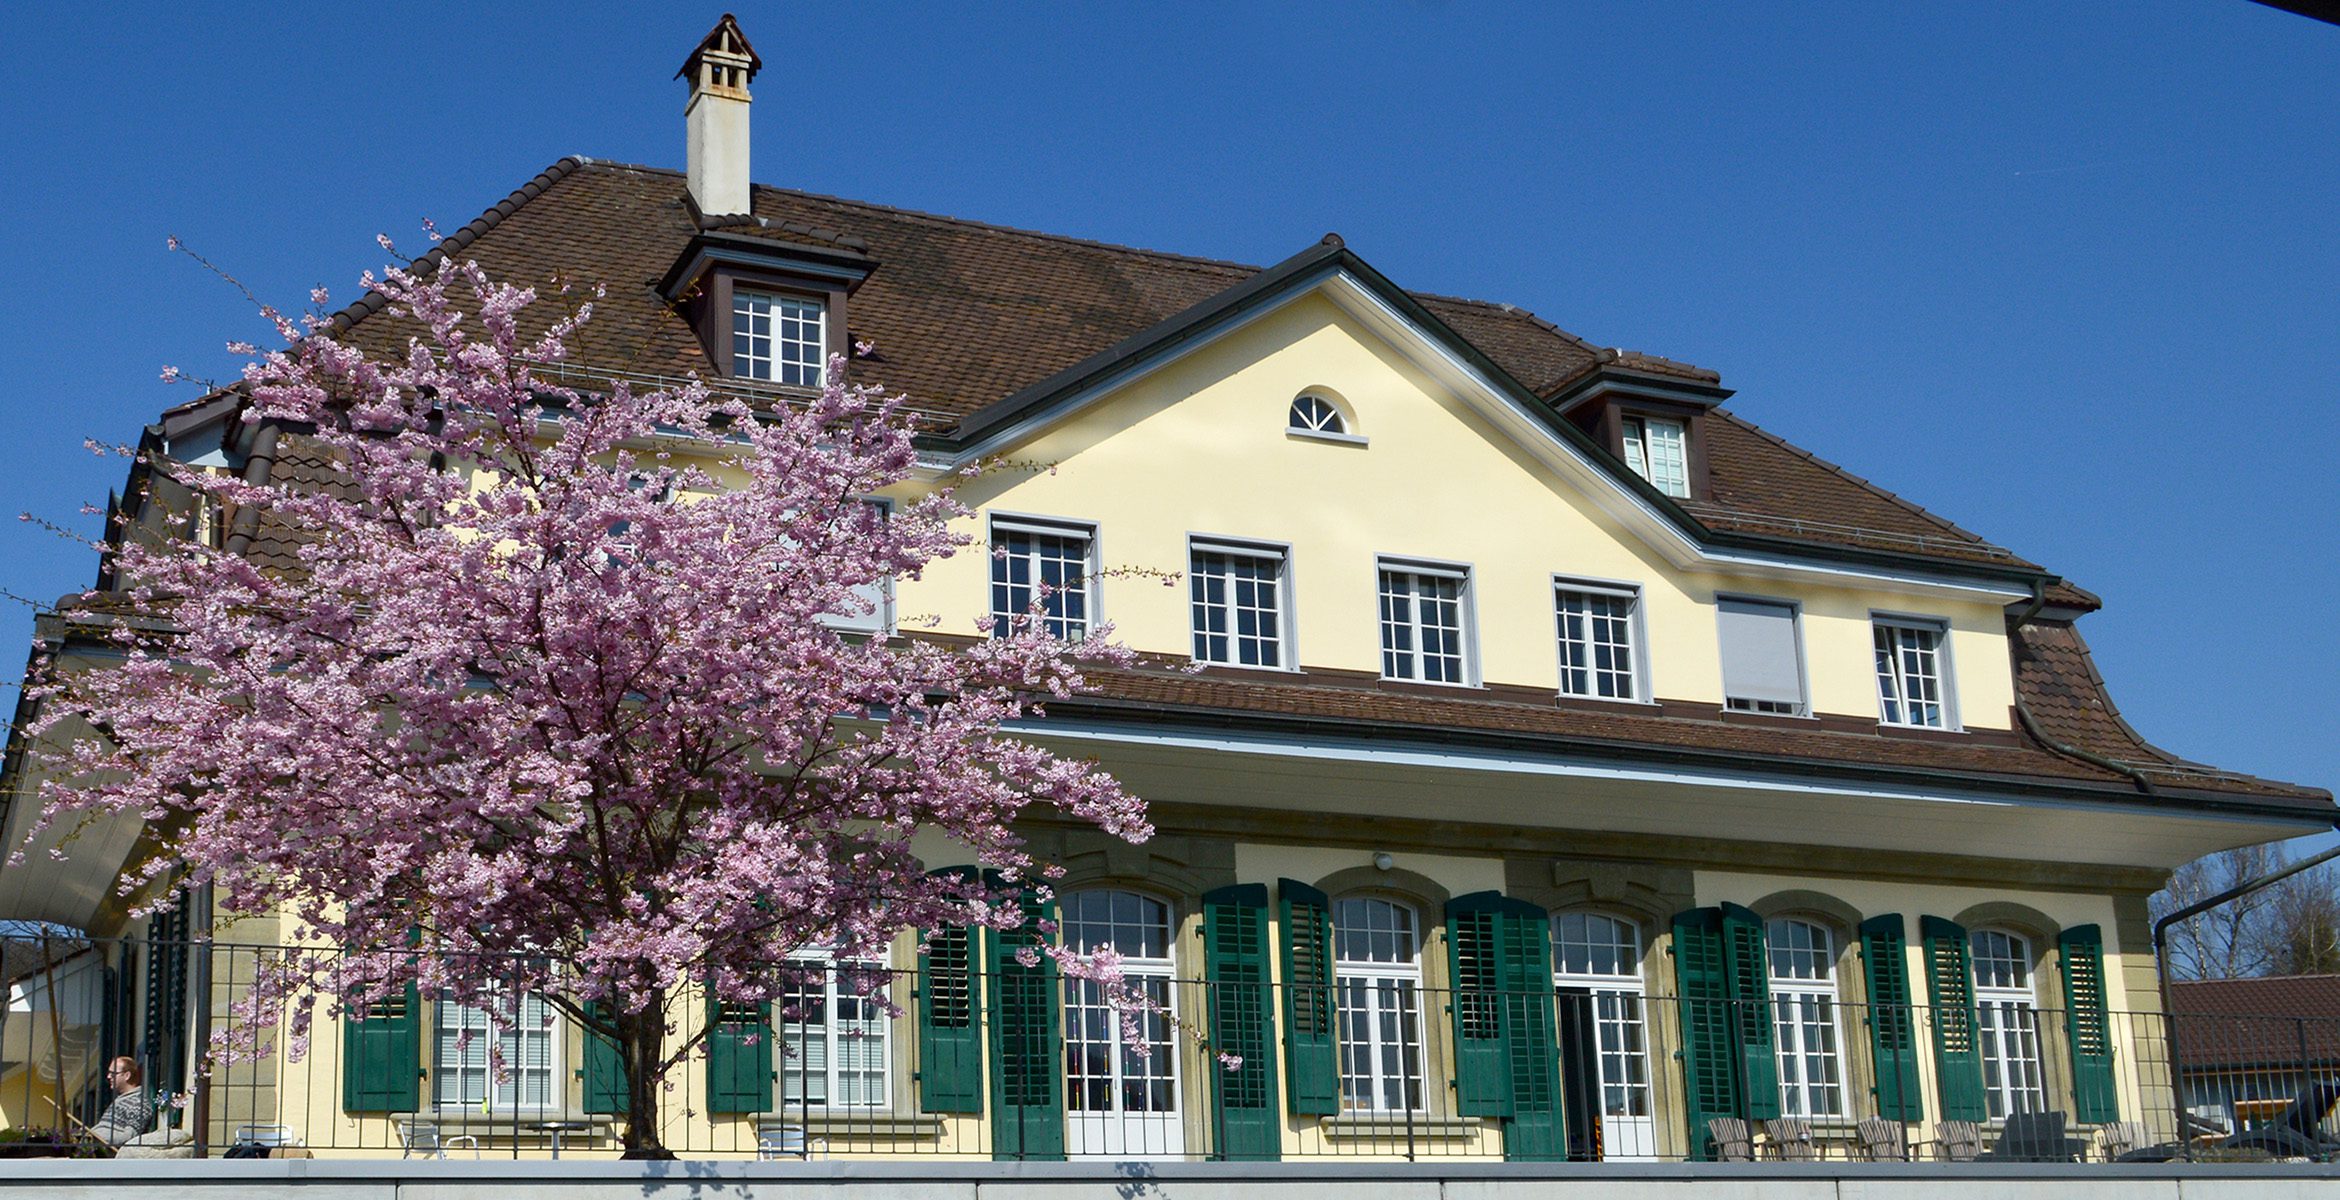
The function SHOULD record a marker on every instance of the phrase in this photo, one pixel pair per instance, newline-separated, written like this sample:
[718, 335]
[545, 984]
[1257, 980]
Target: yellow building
[1570, 763]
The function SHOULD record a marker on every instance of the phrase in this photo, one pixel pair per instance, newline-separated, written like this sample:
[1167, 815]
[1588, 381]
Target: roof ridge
[1169, 256]
[1881, 490]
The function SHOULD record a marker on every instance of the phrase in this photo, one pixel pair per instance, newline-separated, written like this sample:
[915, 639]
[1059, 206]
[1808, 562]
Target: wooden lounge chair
[2036, 1137]
[1883, 1140]
[2122, 1137]
[1791, 1139]
[1958, 1141]
[1732, 1142]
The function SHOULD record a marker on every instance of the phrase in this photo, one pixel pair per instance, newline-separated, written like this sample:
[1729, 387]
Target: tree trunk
[642, 1042]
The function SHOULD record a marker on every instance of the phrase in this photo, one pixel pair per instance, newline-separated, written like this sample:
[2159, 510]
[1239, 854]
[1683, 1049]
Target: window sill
[1319, 435]
[847, 1124]
[1398, 1125]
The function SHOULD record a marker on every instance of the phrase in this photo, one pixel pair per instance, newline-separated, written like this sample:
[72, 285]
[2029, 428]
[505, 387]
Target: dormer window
[780, 339]
[1658, 450]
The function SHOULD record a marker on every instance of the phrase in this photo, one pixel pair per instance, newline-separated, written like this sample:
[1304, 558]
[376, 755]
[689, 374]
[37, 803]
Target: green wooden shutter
[1312, 1057]
[381, 1056]
[1892, 1026]
[1247, 1119]
[950, 1030]
[1027, 1068]
[1957, 1055]
[739, 1057]
[1748, 962]
[2087, 1026]
[1507, 1060]
[604, 1071]
[1702, 982]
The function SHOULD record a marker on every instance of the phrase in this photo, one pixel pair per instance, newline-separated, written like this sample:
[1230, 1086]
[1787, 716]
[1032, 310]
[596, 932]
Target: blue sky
[2067, 274]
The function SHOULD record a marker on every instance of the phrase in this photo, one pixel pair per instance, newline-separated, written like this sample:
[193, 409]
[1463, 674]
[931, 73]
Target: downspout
[259, 464]
[2031, 723]
[2161, 959]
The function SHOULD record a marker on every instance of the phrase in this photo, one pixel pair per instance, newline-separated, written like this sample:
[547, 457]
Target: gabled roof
[964, 316]
[2274, 1021]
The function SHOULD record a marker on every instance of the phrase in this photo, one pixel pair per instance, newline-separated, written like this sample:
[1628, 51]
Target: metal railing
[1402, 1069]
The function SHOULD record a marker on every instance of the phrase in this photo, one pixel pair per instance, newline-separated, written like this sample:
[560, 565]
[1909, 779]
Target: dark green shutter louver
[1027, 1067]
[1748, 961]
[2095, 1097]
[1247, 1120]
[1312, 1059]
[1957, 1054]
[382, 1056]
[739, 1057]
[1892, 1024]
[950, 1029]
[1507, 1061]
[1702, 982]
[604, 1071]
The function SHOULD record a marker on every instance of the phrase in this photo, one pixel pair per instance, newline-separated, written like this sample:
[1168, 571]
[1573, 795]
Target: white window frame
[1040, 526]
[486, 1029]
[795, 1034]
[1945, 685]
[774, 365]
[1198, 544]
[2007, 1033]
[1620, 1008]
[1340, 429]
[1638, 447]
[1467, 632]
[1636, 632]
[1808, 1024]
[1388, 990]
[1803, 706]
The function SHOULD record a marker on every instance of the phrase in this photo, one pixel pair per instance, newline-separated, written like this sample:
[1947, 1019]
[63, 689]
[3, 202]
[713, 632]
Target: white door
[1120, 1103]
[1598, 957]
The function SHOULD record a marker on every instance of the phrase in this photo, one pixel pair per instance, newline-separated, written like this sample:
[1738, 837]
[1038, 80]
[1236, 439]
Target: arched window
[2008, 1030]
[1312, 413]
[1118, 1101]
[1803, 998]
[1596, 966]
[1377, 962]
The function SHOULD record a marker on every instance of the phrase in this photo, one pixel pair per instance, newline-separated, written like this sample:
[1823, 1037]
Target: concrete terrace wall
[451, 1180]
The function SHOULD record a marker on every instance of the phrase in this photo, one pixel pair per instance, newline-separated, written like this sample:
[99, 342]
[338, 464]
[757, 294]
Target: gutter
[259, 463]
[2031, 723]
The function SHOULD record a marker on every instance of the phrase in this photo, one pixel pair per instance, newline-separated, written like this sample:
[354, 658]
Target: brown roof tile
[2273, 1021]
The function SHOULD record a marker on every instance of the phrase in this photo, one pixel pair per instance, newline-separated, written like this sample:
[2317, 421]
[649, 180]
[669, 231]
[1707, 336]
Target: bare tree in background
[2289, 928]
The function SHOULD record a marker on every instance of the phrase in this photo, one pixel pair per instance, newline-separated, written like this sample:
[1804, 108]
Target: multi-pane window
[1909, 674]
[1105, 1076]
[1762, 663]
[1044, 563]
[1315, 414]
[1237, 595]
[1596, 961]
[2014, 1078]
[1803, 1004]
[1596, 642]
[1659, 451]
[469, 1044]
[834, 1030]
[1422, 623]
[779, 338]
[1377, 963]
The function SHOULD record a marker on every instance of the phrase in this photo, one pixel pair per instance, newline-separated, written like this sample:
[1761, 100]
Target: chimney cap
[725, 40]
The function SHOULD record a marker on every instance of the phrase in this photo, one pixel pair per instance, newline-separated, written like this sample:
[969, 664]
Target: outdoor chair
[2036, 1137]
[775, 1141]
[1958, 1141]
[1790, 1139]
[1732, 1142]
[278, 1141]
[2298, 1132]
[2122, 1137]
[1882, 1140]
[422, 1139]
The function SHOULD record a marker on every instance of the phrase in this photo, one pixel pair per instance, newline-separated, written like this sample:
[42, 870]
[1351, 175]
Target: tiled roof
[960, 314]
[2277, 1021]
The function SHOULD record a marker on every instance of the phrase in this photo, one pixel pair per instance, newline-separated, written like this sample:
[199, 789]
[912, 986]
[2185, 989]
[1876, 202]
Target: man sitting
[132, 1111]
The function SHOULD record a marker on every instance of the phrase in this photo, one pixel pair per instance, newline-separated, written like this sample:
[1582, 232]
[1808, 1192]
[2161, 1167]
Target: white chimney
[717, 118]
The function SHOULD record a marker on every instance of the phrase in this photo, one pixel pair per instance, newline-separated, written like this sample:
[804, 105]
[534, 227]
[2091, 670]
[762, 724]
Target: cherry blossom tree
[555, 701]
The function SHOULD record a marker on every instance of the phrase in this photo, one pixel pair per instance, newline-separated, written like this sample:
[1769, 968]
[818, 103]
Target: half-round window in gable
[1312, 413]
